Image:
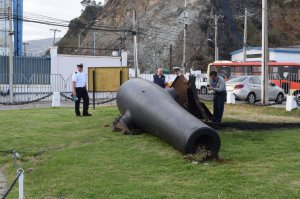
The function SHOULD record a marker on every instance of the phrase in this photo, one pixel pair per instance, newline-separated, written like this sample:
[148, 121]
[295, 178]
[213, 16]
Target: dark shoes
[87, 115]
[84, 115]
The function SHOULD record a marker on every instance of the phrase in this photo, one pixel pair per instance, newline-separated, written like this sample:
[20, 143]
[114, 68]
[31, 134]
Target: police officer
[159, 78]
[218, 85]
[177, 71]
[79, 90]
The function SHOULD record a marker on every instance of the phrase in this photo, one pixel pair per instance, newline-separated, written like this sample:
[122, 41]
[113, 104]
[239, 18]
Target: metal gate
[31, 78]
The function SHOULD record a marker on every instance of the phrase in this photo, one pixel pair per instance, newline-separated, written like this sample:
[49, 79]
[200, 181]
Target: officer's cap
[176, 68]
[80, 65]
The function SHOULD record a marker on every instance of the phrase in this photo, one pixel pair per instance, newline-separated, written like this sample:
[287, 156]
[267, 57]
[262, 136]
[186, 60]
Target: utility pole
[245, 36]
[216, 38]
[135, 45]
[184, 36]
[54, 31]
[216, 19]
[121, 58]
[265, 55]
[11, 51]
[80, 33]
[171, 52]
[25, 48]
[94, 42]
[247, 14]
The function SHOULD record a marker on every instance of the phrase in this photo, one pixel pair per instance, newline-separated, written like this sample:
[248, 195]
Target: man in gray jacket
[218, 85]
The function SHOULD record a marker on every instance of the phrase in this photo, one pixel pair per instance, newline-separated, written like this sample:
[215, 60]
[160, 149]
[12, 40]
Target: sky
[61, 9]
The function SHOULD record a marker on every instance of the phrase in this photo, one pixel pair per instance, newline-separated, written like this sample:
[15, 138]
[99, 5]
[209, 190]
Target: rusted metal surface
[187, 97]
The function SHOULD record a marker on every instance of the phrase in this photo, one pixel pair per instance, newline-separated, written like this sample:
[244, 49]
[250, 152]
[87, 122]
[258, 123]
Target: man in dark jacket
[159, 78]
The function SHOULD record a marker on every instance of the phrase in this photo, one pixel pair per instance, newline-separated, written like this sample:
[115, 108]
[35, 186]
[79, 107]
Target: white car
[201, 83]
[249, 88]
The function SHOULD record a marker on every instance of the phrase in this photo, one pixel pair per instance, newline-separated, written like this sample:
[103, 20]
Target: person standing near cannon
[218, 86]
[177, 71]
[79, 90]
[159, 78]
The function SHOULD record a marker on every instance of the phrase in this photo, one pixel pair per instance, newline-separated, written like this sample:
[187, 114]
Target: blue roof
[279, 50]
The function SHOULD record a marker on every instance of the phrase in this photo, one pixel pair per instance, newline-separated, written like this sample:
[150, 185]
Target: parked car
[201, 83]
[249, 88]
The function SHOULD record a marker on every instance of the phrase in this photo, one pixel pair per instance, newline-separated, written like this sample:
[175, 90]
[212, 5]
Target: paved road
[273, 104]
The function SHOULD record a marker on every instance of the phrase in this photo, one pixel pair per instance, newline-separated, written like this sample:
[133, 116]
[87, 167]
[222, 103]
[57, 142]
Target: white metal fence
[40, 87]
[201, 83]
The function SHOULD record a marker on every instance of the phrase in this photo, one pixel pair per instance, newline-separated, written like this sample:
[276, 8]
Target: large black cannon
[146, 106]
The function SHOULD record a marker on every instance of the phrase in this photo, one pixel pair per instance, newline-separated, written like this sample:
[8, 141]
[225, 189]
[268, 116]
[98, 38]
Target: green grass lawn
[68, 157]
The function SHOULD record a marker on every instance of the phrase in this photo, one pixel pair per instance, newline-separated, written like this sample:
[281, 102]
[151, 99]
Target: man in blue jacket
[159, 78]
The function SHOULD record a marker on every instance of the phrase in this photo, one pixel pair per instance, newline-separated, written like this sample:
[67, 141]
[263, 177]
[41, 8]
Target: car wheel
[251, 98]
[279, 98]
[203, 90]
[298, 98]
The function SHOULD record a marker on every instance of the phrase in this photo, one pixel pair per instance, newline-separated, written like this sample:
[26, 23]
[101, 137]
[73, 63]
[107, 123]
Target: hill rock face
[160, 29]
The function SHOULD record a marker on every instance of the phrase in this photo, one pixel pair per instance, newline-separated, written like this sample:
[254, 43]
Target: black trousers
[82, 93]
[219, 100]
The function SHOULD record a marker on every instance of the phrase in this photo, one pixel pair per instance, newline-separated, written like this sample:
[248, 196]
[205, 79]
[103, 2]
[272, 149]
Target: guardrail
[19, 177]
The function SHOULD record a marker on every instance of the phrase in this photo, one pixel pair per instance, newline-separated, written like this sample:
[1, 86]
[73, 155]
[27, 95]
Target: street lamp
[80, 33]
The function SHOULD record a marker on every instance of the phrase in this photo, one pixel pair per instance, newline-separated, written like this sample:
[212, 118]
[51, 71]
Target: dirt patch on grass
[3, 183]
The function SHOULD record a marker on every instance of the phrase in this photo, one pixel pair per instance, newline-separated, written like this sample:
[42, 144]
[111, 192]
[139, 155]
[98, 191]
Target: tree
[86, 3]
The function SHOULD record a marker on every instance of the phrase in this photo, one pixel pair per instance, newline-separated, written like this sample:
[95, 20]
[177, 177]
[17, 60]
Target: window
[251, 81]
[256, 80]
[238, 79]
[253, 56]
[275, 69]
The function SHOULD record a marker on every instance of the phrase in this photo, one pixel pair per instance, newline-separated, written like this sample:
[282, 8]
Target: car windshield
[237, 79]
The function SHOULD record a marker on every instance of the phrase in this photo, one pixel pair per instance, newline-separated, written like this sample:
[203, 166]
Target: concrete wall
[286, 57]
[66, 65]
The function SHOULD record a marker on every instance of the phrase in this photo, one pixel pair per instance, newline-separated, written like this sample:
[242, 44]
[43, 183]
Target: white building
[290, 54]
[4, 28]
[107, 70]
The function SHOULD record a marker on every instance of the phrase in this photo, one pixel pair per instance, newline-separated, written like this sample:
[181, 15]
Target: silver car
[249, 88]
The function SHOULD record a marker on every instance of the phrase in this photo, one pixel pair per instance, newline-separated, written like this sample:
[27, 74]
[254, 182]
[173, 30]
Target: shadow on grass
[257, 126]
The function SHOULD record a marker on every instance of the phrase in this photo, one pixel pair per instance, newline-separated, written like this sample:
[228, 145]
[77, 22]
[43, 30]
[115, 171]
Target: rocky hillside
[160, 27]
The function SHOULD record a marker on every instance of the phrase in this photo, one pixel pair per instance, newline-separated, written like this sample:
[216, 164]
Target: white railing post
[21, 183]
